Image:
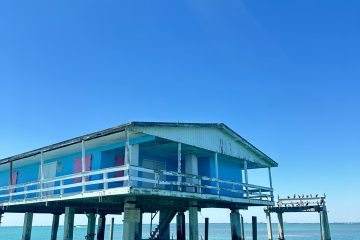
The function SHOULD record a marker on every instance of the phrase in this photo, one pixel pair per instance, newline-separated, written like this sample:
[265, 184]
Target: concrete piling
[193, 221]
[268, 226]
[180, 226]
[101, 227]
[90, 233]
[254, 227]
[281, 226]
[242, 237]
[235, 224]
[132, 228]
[324, 223]
[69, 223]
[111, 235]
[28, 218]
[54, 226]
[165, 231]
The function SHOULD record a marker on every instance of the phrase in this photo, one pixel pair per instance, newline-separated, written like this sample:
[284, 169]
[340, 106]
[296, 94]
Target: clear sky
[283, 74]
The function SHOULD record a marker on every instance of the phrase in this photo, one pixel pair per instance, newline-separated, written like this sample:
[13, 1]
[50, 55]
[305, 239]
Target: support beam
[242, 237]
[246, 179]
[193, 221]
[281, 226]
[132, 228]
[271, 185]
[54, 226]
[235, 224]
[268, 226]
[254, 227]
[69, 223]
[28, 218]
[111, 234]
[101, 227]
[217, 172]
[180, 226]
[90, 234]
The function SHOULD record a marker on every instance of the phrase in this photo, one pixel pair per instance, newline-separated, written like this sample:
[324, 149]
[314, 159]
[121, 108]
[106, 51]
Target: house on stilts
[136, 168]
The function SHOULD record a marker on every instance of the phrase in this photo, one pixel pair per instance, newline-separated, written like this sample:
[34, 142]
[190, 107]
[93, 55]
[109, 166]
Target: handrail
[131, 175]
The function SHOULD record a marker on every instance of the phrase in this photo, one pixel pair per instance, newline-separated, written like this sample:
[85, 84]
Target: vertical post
[271, 185]
[69, 223]
[193, 221]
[111, 235]
[90, 234]
[179, 166]
[41, 174]
[268, 225]
[101, 227]
[254, 227]
[28, 218]
[206, 228]
[246, 179]
[217, 173]
[54, 226]
[235, 224]
[180, 226]
[127, 155]
[83, 162]
[281, 226]
[242, 237]
[10, 172]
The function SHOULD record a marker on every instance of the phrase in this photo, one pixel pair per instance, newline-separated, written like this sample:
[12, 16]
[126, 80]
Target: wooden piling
[54, 226]
[111, 235]
[28, 218]
[90, 234]
[69, 223]
[281, 226]
[268, 226]
[180, 226]
[101, 227]
[164, 233]
[206, 228]
[193, 221]
[235, 224]
[254, 227]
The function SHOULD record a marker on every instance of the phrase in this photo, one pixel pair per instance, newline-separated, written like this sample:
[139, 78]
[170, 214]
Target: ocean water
[339, 231]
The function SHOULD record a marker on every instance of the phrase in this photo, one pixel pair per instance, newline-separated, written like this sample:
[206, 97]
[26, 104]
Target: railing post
[41, 174]
[217, 173]
[179, 166]
[83, 162]
[105, 178]
[246, 179]
[61, 187]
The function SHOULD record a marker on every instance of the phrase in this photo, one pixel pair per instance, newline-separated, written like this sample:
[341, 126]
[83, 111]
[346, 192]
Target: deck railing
[134, 177]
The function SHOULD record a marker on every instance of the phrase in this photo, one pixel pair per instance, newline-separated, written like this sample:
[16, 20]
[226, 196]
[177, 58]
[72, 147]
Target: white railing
[131, 176]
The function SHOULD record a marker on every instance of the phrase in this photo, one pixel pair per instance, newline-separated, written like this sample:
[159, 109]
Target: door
[49, 173]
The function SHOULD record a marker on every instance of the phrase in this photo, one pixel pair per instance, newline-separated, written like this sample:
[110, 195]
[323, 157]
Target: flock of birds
[304, 200]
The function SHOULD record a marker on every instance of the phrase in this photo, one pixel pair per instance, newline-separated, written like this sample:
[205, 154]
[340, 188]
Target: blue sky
[284, 75]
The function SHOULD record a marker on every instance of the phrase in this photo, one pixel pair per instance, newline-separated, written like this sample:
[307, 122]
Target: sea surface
[217, 231]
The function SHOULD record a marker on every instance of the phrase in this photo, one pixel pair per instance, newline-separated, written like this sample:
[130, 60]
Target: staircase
[165, 220]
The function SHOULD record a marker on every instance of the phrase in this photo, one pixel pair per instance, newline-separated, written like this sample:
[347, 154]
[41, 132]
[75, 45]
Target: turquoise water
[216, 232]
